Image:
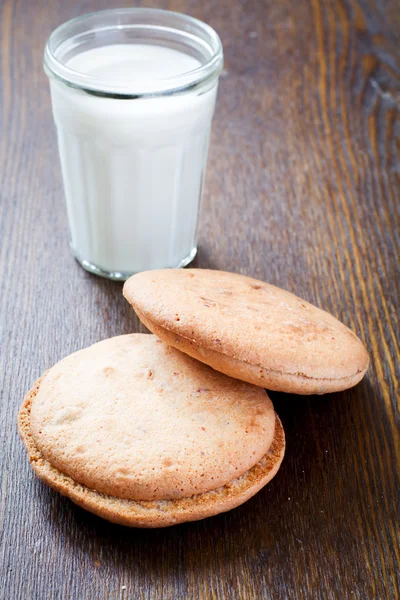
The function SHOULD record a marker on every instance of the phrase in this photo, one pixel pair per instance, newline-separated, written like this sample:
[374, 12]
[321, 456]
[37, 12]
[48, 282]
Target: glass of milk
[133, 93]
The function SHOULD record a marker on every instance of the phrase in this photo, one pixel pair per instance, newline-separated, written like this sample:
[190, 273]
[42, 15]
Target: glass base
[123, 276]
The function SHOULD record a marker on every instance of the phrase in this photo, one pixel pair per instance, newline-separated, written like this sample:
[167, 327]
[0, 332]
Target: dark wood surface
[302, 191]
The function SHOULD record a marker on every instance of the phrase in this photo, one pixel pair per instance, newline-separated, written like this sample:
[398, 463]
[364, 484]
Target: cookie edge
[256, 374]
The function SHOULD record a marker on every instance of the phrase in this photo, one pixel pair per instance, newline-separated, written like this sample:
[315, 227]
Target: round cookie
[143, 435]
[249, 329]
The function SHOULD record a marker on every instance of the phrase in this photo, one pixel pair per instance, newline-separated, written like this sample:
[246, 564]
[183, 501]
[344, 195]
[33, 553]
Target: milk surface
[130, 62]
[133, 169]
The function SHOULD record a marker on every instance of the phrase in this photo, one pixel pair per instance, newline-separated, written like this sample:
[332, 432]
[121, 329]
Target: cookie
[143, 435]
[249, 329]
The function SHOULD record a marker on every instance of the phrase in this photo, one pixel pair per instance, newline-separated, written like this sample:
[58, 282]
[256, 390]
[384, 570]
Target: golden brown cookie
[249, 329]
[143, 435]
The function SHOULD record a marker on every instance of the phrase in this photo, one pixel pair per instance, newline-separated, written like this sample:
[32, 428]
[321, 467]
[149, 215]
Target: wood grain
[302, 191]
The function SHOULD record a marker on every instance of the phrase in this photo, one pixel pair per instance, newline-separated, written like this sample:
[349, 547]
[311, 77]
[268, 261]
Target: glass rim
[163, 86]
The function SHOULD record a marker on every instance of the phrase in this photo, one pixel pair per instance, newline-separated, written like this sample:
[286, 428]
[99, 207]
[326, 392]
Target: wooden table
[302, 191]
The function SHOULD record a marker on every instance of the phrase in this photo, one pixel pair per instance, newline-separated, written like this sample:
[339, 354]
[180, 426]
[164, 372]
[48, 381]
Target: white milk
[133, 169]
